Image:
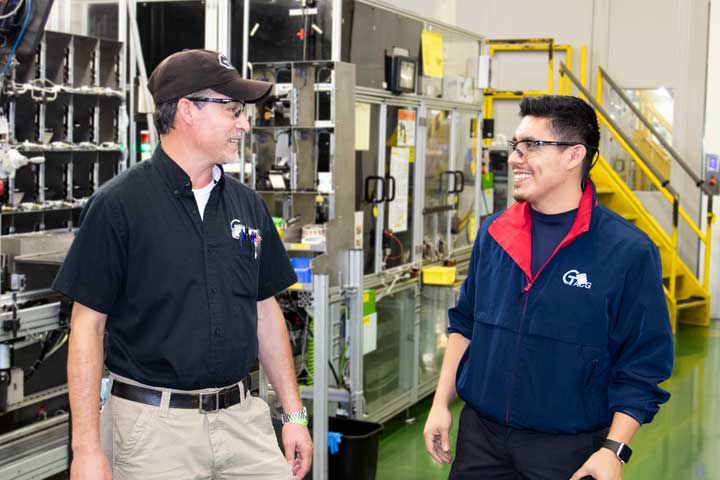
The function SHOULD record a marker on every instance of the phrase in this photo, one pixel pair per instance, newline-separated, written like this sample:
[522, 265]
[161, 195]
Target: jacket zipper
[508, 403]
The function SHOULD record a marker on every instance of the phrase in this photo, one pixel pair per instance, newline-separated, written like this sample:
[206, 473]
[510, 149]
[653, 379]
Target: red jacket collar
[511, 230]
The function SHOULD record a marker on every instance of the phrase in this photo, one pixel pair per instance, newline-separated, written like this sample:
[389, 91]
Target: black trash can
[357, 455]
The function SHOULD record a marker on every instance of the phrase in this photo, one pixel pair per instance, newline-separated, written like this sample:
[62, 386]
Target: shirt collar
[175, 177]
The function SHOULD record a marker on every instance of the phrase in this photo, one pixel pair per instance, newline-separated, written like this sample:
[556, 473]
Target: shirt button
[218, 331]
[213, 291]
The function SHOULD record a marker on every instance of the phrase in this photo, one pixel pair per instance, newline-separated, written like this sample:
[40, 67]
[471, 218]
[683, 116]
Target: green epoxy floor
[682, 443]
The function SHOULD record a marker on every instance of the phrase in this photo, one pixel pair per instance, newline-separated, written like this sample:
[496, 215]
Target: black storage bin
[357, 455]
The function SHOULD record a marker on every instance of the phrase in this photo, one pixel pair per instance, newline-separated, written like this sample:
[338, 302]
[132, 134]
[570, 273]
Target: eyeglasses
[237, 111]
[514, 147]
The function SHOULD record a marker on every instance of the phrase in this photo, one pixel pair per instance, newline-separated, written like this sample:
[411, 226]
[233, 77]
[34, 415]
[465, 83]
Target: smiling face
[219, 129]
[546, 176]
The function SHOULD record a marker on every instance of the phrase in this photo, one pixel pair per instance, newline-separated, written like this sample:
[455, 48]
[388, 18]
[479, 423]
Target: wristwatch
[300, 417]
[621, 450]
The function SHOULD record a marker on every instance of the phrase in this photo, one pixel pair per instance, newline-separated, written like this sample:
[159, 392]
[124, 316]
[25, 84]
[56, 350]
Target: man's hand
[90, 466]
[298, 448]
[437, 434]
[602, 465]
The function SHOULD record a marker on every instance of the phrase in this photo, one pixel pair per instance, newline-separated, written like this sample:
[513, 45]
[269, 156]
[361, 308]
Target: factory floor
[683, 442]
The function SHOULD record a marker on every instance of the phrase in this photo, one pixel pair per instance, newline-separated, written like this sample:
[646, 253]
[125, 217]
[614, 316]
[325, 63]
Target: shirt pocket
[240, 260]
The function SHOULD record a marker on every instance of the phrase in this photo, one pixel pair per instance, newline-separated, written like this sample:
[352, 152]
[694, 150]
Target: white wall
[643, 46]
[711, 142]
[424, 8]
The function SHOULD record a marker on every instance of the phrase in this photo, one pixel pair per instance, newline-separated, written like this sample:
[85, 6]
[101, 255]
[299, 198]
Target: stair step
[691, 302]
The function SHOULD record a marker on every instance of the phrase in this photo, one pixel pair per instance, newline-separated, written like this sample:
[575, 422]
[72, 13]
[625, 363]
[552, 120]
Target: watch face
[624, 453]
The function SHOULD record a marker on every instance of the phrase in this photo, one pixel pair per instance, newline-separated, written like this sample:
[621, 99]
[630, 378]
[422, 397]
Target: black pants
[486, 450]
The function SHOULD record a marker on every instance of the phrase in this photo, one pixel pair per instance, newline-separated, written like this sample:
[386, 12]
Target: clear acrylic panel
[437, 166]
[399, 171]
[388, 370]
[436, 301]
[465, 153]
[656, 105]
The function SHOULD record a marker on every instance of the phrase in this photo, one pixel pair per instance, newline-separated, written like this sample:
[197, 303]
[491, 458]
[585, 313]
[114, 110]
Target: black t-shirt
[180, 293]
[547, 233]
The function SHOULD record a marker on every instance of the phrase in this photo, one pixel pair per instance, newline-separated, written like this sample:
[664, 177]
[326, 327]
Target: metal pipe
[698, 181]
[568, 62]
[551, 69]
[450, 198]
[708, 245]
[673, 259]
[123, 113]
[419, 179]
[246, 38]
[135, 33]
[380, 219]
[355, 324]
[336, 41]
[320, 378]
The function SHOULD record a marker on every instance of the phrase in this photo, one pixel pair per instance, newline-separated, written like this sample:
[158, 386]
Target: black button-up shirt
[180, 293]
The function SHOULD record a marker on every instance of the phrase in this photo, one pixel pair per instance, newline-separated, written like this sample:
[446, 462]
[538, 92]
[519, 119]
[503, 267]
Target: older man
[179, 264]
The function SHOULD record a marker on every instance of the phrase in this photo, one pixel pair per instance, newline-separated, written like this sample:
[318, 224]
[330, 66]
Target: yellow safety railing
[530, 45]
[652, 174]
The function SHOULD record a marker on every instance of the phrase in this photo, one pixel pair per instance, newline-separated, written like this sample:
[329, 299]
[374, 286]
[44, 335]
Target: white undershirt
[202, 195]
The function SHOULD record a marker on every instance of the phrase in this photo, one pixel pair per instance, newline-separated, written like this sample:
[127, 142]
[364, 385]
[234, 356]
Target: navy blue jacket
[587, 336]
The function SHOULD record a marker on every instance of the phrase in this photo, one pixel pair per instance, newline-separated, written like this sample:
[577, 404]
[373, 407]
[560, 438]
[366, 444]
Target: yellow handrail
[535, 45]
[650, 175]
[678, 211]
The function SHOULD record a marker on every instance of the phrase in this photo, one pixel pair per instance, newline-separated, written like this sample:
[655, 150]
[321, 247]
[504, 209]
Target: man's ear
[577, 155]
[185, 112]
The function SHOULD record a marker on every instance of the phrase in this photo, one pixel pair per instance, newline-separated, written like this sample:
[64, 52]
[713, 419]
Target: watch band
[300, 417]
[621, 450]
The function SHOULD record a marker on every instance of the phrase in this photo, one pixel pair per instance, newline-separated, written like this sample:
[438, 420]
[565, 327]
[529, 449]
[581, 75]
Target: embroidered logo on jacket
[576, 279]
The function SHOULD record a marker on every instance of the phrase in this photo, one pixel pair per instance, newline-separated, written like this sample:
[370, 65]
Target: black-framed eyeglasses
[237, 111]
[513, 147]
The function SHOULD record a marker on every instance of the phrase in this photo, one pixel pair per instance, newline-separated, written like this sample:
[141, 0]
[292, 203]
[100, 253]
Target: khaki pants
[156, 442]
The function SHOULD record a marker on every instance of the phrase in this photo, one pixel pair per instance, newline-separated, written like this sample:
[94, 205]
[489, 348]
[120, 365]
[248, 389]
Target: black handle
[391, 181]
[369, 195]
[460, 182]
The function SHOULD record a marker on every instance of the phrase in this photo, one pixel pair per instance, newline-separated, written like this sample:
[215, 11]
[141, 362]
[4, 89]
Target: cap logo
[222, 60]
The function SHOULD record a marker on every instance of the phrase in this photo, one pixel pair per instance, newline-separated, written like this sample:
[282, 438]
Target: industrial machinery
[61, 110]
[372, 165]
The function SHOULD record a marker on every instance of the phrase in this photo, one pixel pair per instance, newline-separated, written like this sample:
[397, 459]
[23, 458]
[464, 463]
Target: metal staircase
[687, 294]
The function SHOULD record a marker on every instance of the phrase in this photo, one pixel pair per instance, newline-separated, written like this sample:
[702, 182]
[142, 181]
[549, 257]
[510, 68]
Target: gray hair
[164, 115]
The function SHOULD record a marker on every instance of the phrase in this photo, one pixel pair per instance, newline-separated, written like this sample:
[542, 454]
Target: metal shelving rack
[66, 104]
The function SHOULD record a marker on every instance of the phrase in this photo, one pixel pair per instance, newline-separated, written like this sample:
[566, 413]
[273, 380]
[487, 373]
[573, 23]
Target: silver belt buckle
[217, 402]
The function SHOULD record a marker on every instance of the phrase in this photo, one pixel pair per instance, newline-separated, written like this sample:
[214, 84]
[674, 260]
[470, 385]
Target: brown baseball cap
[189, 71]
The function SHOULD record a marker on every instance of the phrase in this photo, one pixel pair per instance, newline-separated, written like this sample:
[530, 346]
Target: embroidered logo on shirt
[576, 279]
[236, 228]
